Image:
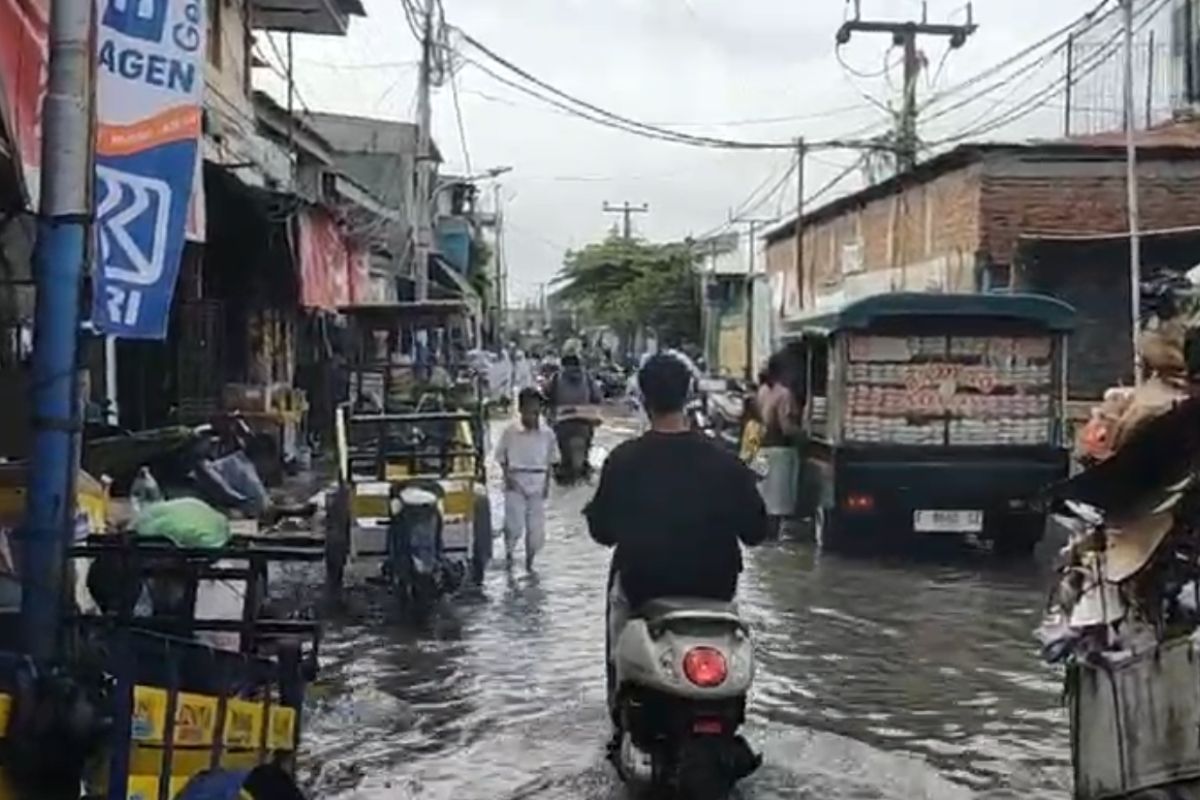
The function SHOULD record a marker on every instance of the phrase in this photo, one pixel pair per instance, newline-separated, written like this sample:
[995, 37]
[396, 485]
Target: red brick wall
[982, 209]
[1081, 197]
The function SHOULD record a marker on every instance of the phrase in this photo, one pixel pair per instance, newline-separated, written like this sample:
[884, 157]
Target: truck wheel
[1017, 535]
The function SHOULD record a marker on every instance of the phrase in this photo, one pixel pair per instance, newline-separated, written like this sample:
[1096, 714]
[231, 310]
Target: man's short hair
[529, 396]
[664, 382]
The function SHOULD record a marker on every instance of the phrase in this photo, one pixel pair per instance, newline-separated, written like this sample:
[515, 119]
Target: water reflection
[879, 678]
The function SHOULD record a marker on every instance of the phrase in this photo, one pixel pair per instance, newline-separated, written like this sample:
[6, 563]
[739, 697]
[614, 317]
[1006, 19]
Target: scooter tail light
[705, 667]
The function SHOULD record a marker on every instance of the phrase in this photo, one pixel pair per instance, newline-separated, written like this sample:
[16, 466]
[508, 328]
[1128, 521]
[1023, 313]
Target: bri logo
[140, 19]
[131, 215]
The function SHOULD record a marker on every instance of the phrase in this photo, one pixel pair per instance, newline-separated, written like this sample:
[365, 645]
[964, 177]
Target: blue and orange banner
[149, 91]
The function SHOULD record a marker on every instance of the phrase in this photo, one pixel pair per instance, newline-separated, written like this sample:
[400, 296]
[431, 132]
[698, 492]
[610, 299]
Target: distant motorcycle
[698, 419]
[574, 427]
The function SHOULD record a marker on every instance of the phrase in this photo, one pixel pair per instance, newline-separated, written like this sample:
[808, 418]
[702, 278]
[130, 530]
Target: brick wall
[1024, 196]
[975, 215]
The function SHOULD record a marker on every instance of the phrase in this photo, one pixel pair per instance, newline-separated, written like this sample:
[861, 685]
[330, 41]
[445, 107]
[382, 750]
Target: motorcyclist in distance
[674, 505]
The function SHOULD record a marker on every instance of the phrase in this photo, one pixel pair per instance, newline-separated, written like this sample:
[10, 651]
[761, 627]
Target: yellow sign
[149, 714]
[243, 724]
[195, 719]
[282, 734]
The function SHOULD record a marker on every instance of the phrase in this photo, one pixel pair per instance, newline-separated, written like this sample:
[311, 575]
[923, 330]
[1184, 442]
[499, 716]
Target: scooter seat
[663, 609]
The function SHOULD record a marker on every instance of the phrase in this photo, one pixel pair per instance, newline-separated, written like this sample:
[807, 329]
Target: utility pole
[799, 265]
[753, 226]
[1070, 89]
[501, 267]
[626, 210]
[422, 224]
[58, 258]
[904, 34]
[1131, 186]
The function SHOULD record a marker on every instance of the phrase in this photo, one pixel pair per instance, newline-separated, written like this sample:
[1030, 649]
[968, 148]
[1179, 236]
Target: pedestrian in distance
[527, 453]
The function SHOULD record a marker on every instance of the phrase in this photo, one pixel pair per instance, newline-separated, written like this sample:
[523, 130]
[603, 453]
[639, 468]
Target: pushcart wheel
[337, 540]
[481, 551]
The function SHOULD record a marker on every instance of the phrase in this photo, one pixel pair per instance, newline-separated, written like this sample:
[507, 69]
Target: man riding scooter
[569, 390]
[676, 508]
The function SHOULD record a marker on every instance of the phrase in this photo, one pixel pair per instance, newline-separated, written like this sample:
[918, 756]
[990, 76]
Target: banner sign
[24, 28]
[325, 261]
[361, 290]
[149, 87]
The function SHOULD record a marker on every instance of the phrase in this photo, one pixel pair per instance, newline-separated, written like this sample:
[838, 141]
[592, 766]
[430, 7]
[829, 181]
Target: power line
[1045, 95]
[750, 205]
[355, 67]
[1090, 22]
[1065, 30]
[462, 129]
[594, 113]
[290, 76]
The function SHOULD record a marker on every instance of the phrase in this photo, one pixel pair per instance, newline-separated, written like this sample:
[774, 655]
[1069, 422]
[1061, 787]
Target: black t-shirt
[675, 506]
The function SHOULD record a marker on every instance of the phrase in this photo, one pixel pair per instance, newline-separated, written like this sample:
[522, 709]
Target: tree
[632, 284]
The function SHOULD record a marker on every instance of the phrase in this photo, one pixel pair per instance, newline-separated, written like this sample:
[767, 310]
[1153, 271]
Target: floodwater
[894, 678]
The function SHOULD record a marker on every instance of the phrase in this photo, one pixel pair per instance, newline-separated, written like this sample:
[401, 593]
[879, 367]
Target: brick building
[954, 222]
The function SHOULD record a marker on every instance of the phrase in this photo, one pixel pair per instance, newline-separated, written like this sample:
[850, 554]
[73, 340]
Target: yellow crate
[145, 787]
[243, 724]
[282, 733]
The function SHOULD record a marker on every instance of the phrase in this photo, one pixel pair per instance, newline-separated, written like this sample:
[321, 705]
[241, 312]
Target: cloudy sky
[745, 69]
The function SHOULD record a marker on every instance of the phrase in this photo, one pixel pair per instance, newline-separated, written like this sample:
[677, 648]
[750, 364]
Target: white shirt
[500, 377]
[522, 374]
[527, 456]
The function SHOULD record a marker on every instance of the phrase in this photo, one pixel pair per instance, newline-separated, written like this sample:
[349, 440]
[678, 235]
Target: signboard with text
[149, 88]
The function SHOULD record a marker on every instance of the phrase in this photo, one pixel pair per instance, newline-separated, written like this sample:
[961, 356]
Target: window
[1185, 17]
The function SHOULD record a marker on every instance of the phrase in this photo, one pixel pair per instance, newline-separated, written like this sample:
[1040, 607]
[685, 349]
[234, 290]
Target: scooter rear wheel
[699, 774]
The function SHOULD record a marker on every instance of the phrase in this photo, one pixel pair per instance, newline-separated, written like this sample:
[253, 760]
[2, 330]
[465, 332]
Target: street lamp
[446, 183]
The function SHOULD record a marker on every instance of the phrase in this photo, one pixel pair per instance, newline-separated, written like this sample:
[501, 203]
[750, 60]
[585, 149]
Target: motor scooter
[416, 566]
[574, 427]
[682, 668]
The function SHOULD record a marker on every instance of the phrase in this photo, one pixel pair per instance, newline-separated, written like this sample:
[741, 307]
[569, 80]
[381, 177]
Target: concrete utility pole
[501, 268]
[58, 259]
[422, 224]
[1131, 186]
[799, 265]
[904, 34]
[626, 210]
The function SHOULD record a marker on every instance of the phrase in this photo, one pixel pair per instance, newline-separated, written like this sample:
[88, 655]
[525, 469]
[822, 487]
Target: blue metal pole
[58, 267]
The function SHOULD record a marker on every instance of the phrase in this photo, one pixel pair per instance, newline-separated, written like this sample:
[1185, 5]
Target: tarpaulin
[324, 260]
[149, 88]
[24, 28]
[361, 290]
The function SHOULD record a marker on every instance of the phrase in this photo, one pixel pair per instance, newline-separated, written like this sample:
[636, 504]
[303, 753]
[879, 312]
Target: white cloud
[671, 61]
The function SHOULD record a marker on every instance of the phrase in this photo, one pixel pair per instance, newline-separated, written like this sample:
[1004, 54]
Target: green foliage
[479, 270]
[632, 284]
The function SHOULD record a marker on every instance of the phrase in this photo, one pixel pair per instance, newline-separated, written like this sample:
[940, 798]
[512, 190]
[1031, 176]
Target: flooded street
[877, 679]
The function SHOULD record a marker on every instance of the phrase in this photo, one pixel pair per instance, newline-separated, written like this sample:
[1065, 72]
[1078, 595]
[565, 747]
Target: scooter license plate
[946, 521]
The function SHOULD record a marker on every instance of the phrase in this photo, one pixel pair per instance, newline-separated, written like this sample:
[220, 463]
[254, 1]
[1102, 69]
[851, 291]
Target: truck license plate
[943, 521]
